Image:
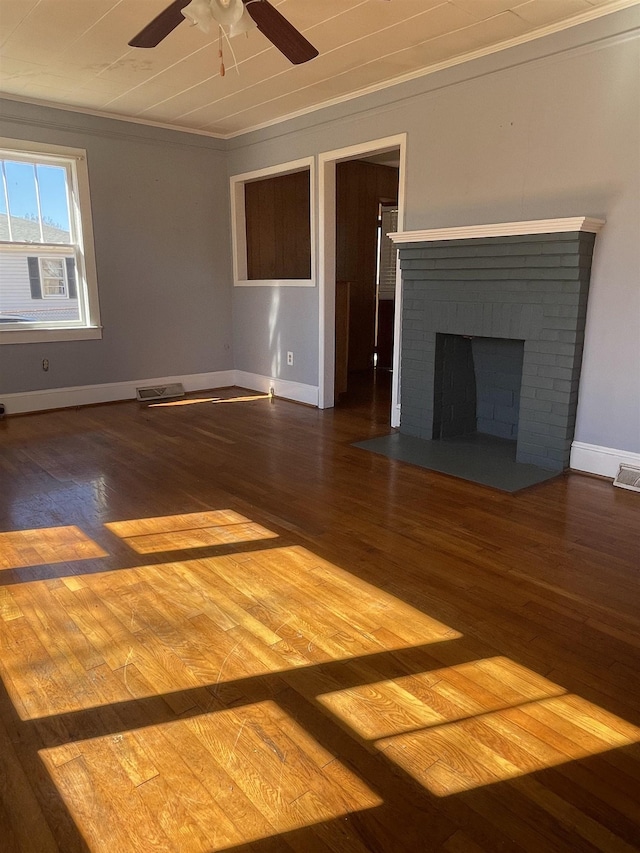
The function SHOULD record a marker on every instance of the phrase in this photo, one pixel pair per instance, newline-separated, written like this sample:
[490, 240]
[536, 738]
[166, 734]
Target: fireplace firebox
[477, 385]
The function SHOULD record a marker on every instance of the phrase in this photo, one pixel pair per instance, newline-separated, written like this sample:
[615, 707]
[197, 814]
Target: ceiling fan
[238, 15]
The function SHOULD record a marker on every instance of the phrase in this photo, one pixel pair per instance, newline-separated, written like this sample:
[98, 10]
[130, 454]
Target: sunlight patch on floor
[507, 744]
[189, 530]
[426, 699]
[477, 723]
[204, 784]
[22, 548]
[99, 638]
[191, 401]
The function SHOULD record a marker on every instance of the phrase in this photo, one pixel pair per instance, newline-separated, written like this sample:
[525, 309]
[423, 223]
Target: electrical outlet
[289, 358]
[45, 364]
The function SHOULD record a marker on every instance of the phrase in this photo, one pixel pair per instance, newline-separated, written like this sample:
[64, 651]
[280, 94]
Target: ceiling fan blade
[161, 26]
[280, 32]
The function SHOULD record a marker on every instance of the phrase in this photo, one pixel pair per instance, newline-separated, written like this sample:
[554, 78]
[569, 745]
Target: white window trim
[88, 327]
[239, 224]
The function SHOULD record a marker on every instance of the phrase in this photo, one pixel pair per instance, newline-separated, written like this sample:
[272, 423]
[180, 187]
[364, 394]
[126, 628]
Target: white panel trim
[87, 395]
[239, 224]
[501, 229]
[296, 391]
[326, 261]
[604, 461]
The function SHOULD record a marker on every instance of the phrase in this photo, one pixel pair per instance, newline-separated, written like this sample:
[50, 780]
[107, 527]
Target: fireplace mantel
[501, 229]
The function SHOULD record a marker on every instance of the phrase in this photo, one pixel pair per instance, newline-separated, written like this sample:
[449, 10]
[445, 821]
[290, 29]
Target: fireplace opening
[477, 383]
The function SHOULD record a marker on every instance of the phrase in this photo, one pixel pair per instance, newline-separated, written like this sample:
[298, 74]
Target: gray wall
[161, 228]
[271, 321]
[547, 129]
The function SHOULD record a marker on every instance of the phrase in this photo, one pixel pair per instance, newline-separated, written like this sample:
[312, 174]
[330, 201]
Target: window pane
[54, 205]
[53, 287]
[23, 201]
[3, 213]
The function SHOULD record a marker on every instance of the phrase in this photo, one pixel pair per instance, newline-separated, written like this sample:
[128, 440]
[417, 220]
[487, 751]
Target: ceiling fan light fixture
[198, 13]
[245, 24]
[226, 12]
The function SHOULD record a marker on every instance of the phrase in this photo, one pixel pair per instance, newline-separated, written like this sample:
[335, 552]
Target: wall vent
[160, 392]
[628, 478]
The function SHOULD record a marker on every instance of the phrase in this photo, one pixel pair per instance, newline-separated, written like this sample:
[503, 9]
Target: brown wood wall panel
[278, 227]
[360, 187]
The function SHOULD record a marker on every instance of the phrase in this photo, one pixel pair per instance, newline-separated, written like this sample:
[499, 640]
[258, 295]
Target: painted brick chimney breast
[529, 287]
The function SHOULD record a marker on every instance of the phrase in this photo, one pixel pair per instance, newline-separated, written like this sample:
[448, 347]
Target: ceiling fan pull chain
[220, 56]
[229, 45]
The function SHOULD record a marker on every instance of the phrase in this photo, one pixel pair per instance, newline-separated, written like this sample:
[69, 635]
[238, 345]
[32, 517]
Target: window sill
[45, 336]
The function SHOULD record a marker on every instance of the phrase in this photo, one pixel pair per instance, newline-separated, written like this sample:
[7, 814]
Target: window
[387, 252]
[48, 288]
[53, 276]
[273, 226]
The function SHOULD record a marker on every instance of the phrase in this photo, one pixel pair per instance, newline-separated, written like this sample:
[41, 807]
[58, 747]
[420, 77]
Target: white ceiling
[75, 53]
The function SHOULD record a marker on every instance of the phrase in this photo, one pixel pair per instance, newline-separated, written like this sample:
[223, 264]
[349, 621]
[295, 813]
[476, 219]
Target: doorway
[363, 161]
[364, 188]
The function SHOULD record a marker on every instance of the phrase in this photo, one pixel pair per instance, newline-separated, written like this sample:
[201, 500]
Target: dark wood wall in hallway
[360, 188]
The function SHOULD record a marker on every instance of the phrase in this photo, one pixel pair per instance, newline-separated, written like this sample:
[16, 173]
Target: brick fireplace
[493, 321]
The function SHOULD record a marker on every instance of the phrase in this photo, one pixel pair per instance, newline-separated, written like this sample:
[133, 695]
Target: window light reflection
[163, 629]
[193, 777]
[190, 530]
[22, 548]
[192, 401]
[477, 723]
[507, 744]
[389, 708]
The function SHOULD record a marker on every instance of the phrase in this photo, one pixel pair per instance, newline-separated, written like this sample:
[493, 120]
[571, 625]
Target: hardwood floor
[222, 627]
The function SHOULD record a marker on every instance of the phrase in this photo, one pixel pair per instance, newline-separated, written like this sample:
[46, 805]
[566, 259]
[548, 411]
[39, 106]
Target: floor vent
[160, 392]
[628, 478]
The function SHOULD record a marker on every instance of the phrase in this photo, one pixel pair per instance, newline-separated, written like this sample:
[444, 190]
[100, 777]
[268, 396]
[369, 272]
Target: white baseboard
[86, 395]
[110, 392]
[591, 458]
[604, 461]
[281, 387]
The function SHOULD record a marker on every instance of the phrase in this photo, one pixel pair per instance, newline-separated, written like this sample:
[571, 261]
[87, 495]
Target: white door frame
[327, 264]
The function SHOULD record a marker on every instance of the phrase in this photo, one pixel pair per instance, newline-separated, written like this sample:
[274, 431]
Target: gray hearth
[493, 333]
